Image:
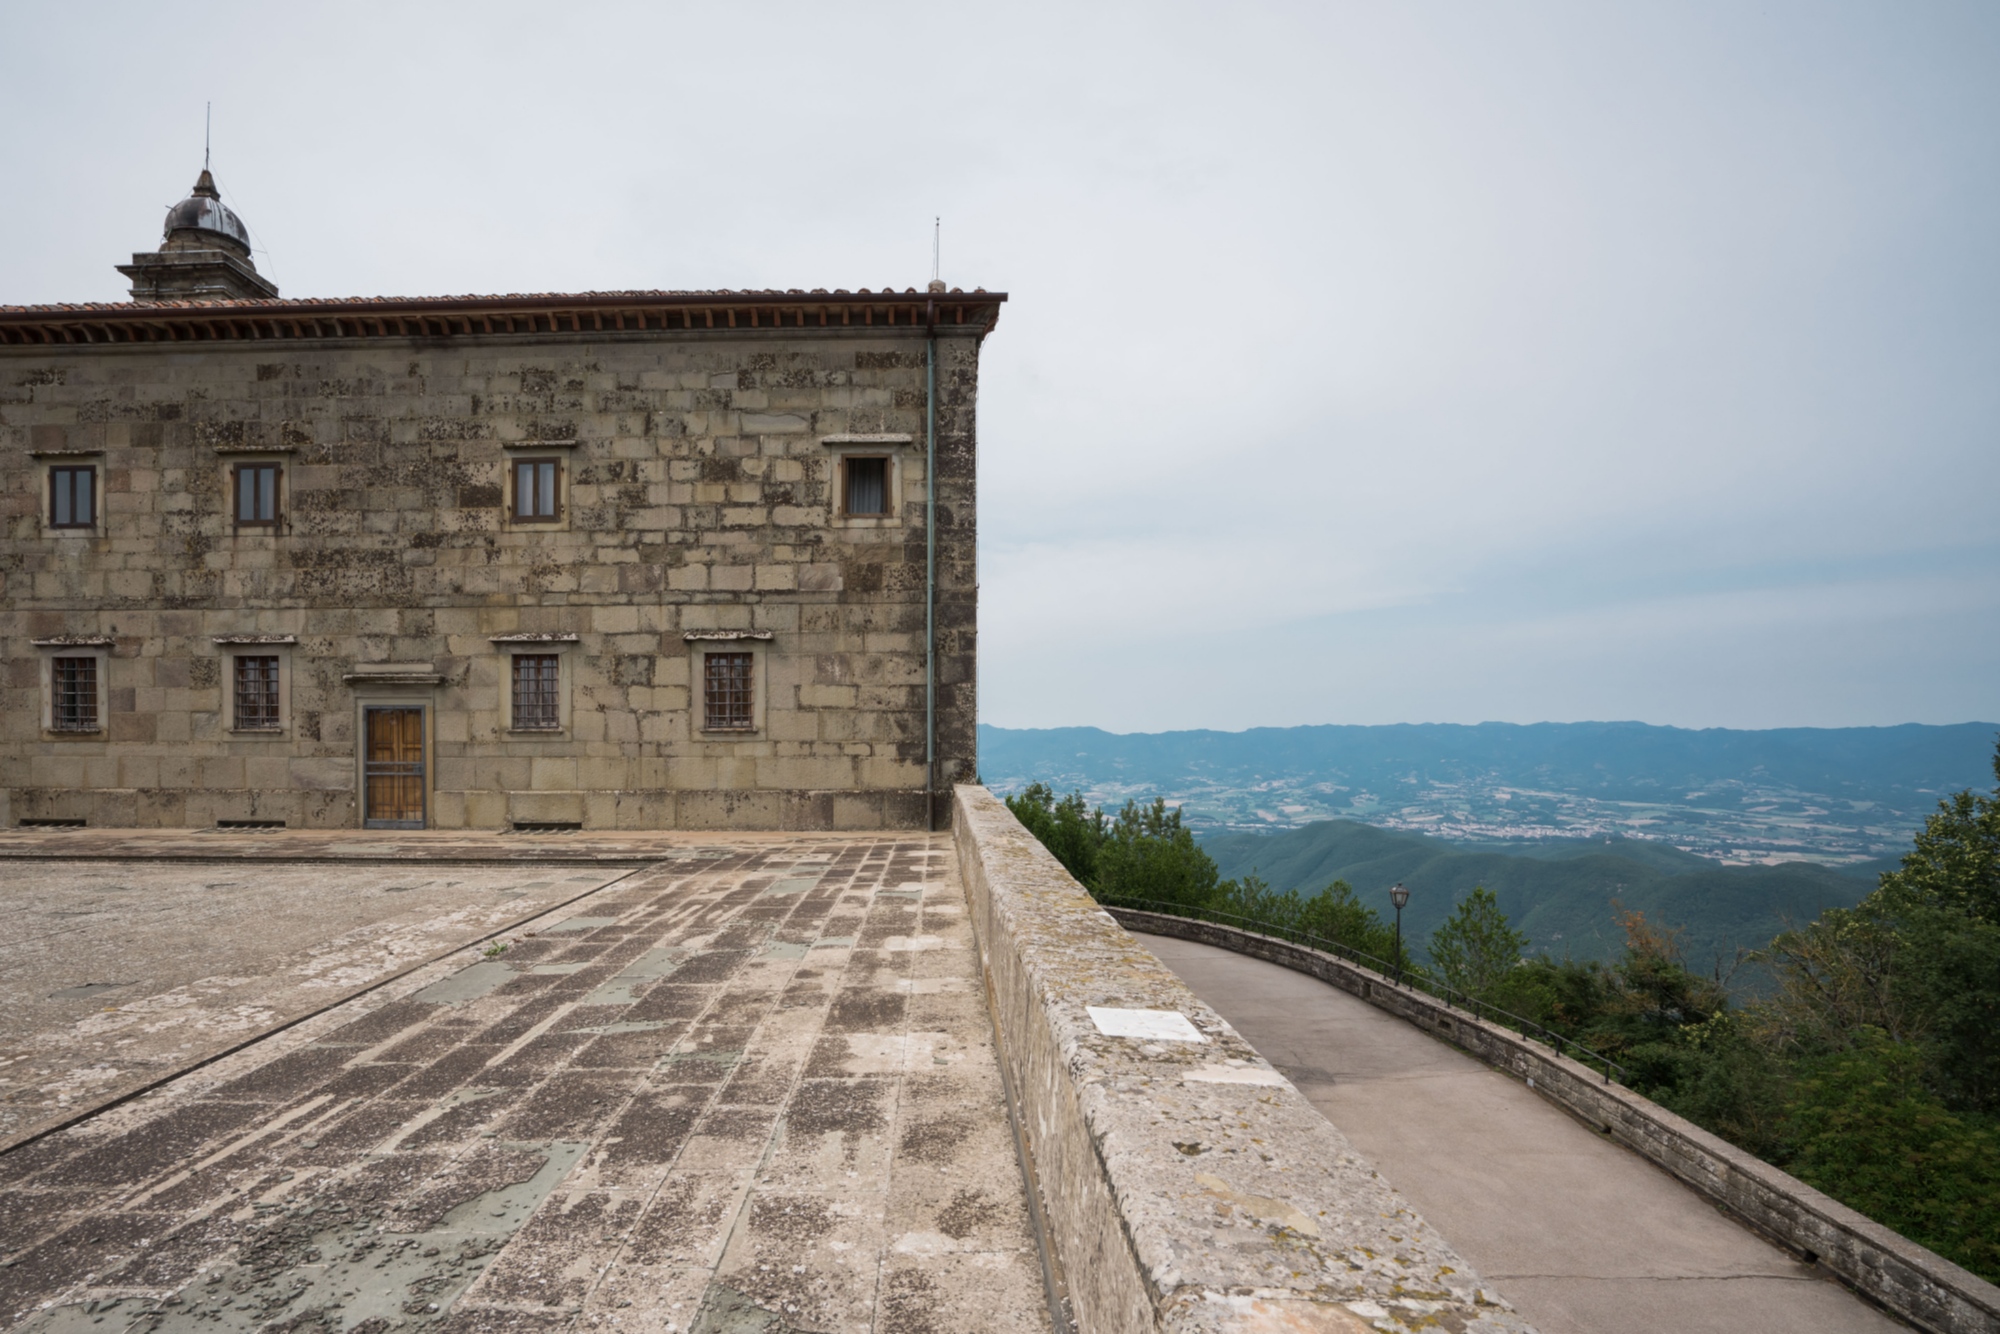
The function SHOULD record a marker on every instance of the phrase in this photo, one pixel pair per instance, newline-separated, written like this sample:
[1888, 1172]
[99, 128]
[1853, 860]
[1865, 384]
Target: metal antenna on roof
[207, 123]
[937, 234]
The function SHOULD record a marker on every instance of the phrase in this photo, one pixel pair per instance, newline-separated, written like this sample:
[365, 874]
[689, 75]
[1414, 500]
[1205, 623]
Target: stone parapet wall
[1186, 1186]
[699, 497]
[1921, 1287]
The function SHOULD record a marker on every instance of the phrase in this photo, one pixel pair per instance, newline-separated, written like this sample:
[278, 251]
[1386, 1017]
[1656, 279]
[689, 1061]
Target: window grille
[257, 693]
[537, 489]
[74, 707]
[73, 497]
[257, 495]
[867, 486]
[727, 694]
[536, 704]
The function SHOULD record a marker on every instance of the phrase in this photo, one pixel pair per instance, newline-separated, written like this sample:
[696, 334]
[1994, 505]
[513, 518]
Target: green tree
[1943, 907]
[1150, 853]
[1954, 864]
[1336, 914]
[1067, 827]
[1476, 947]
[1916, 963]
[1870, 1134]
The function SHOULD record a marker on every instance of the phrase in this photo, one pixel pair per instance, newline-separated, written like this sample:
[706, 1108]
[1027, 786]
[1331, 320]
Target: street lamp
[1399, 896]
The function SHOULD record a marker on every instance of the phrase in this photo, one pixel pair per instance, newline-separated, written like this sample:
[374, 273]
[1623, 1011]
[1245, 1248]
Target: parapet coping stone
[1188, 1187]
[1915, 1283]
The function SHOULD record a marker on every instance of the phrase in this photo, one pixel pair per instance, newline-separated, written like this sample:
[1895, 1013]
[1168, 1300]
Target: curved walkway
[1583, 1236]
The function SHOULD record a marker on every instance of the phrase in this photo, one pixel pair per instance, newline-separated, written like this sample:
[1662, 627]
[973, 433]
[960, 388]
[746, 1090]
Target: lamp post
[1399, 896]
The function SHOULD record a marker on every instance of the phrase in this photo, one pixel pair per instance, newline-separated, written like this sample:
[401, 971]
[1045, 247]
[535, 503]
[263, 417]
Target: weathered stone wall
[699, 498]
[1187, 1186]
[1924, 1288]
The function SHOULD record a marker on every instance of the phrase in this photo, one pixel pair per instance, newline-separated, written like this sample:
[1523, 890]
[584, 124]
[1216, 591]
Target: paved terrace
[717, 1083]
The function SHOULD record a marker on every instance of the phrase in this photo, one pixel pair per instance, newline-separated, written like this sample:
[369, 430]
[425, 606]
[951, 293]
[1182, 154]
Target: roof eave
[526, 315]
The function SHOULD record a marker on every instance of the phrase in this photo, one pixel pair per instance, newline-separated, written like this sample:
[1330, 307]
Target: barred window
[867, 486]
[257, 495]
[73, 497]
[726, 677]
[536, 704]
[537, 490]
[74, 707]
[257, 693]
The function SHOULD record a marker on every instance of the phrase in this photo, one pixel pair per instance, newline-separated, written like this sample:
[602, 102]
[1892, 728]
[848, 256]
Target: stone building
[610, 560]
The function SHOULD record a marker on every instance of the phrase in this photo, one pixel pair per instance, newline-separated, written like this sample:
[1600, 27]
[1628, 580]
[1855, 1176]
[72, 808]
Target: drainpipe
[930, 559]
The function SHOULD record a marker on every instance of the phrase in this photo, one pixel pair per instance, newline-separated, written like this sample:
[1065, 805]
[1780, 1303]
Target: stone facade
[699, 442]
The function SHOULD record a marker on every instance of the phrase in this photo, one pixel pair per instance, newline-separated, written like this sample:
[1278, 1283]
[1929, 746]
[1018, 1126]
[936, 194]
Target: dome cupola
[205, 256]
[208, 219]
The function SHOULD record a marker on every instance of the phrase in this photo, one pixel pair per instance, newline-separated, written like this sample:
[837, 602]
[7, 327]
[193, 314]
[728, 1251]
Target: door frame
[363, 706]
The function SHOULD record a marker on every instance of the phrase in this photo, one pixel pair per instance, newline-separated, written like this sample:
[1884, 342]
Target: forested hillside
[1563, 896]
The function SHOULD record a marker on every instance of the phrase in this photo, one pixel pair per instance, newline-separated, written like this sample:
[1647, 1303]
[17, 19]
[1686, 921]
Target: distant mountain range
[1560, 892]
[1839, 796]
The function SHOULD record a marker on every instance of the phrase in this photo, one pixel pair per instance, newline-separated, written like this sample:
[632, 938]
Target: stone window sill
[536, 731]
[729, 731]
[257, 731]
[72, 734]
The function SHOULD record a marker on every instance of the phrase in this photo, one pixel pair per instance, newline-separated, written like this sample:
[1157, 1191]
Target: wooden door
[393, 770]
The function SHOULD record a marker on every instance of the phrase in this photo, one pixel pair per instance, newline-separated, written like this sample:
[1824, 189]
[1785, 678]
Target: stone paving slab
[121, 973]
[751, 1093]
[347, 845]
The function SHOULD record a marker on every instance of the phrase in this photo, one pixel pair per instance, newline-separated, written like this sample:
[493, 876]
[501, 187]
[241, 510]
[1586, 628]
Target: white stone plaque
[1152, 1025]
[1236, 1073]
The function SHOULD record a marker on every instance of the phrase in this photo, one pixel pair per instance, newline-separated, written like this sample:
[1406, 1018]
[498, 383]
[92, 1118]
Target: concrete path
[751, 1088]
[1582, 1235]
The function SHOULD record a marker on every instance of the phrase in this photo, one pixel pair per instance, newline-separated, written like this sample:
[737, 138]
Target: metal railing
[1452, 997]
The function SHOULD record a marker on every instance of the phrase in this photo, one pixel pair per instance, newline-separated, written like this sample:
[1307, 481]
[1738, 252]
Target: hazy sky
[1365, 362]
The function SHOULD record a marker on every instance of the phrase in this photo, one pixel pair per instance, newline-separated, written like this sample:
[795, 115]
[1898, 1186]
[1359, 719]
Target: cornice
[523, 317]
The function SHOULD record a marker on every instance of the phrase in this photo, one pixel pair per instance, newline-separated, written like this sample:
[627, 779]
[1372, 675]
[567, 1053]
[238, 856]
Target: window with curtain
[257, 494]
[867, 486]
[73, 497]
[537, 490]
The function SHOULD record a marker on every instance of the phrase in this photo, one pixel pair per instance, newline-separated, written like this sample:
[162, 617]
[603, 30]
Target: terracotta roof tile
[655, 294]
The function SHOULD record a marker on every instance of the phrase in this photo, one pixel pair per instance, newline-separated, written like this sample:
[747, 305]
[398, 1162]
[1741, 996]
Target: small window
[867, 486]
[257, 494]
[726, 680]
[74, 705]
[257, 693]
[536, 703]
[73, 497]
[537, 490]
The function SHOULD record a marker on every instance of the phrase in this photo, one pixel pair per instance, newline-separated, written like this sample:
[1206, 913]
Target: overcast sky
[1364, 363]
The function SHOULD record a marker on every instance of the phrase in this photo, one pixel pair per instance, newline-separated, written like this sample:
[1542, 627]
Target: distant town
[1838, 797]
